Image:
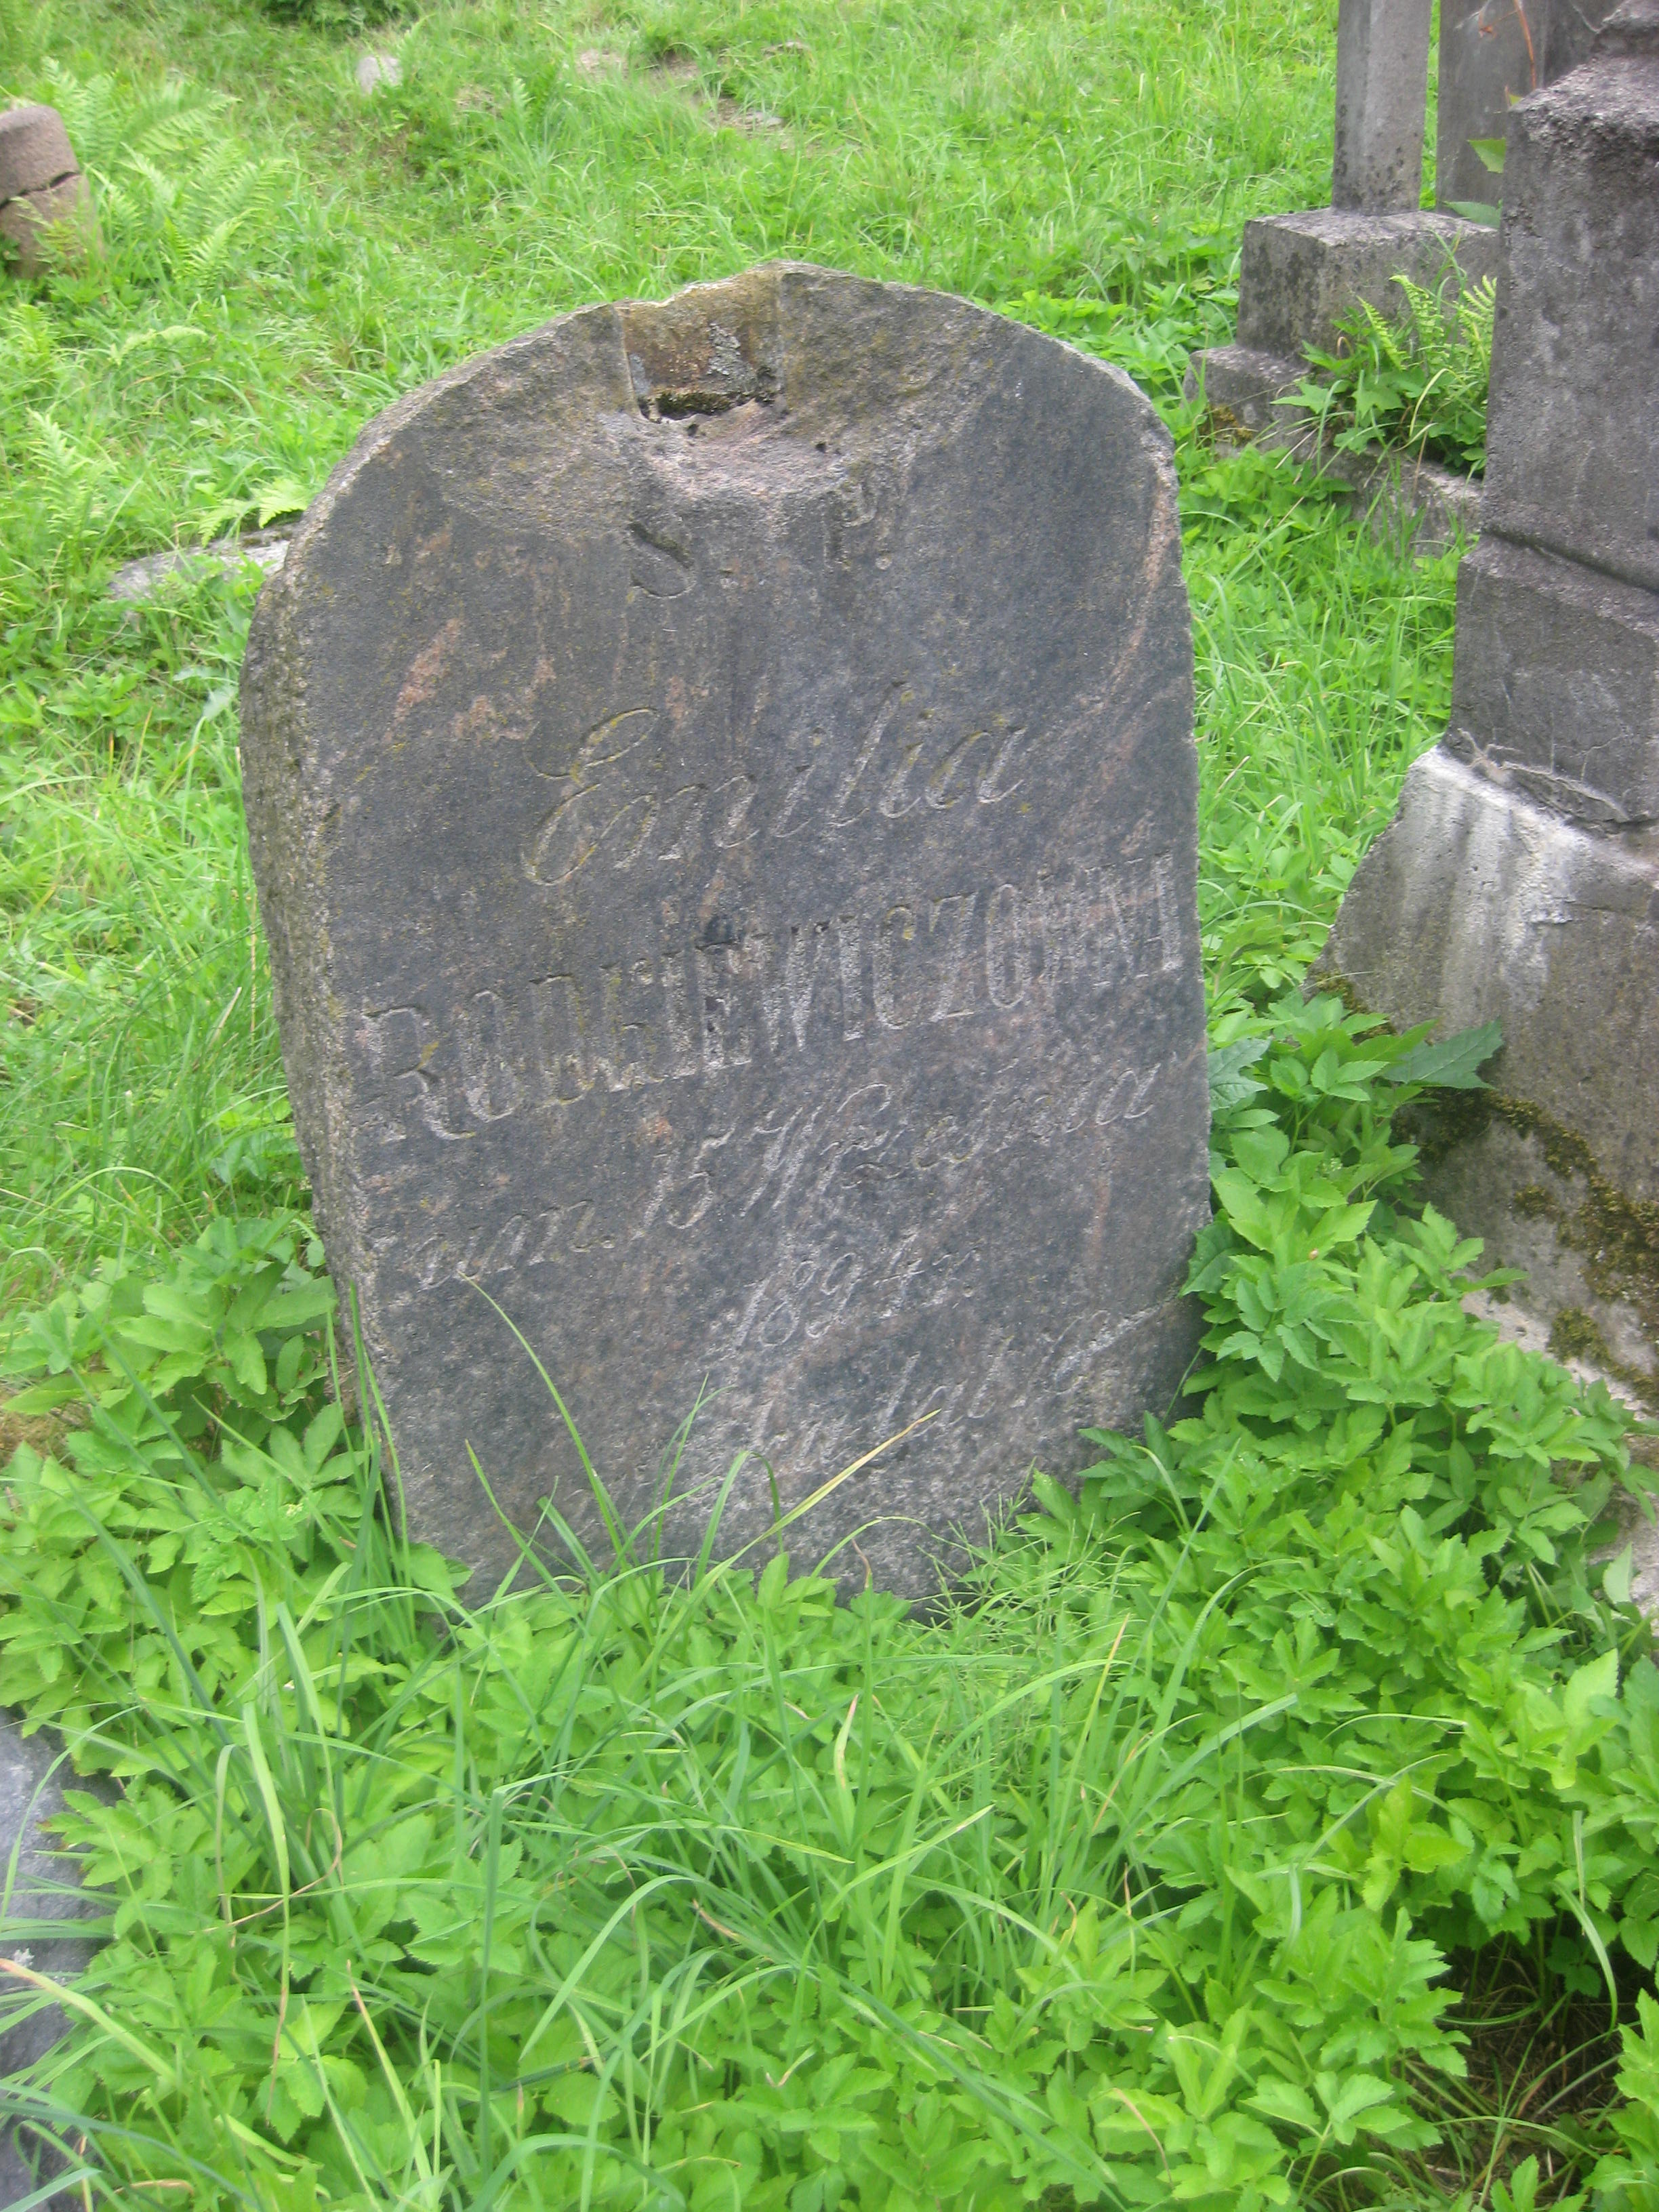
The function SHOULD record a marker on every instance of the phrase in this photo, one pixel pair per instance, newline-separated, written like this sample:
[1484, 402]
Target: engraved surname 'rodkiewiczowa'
[762, 995]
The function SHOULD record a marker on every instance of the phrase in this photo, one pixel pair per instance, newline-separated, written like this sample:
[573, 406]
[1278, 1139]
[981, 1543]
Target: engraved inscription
[614, 807]
[790, 1161]
[731, 1001]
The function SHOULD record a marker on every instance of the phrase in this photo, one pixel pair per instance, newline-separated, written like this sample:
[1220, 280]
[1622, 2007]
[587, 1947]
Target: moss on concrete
[1616, 1236]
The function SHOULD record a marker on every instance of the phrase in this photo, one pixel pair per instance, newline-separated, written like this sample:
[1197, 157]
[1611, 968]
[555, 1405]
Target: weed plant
[1415, 382]
[1133, 1875]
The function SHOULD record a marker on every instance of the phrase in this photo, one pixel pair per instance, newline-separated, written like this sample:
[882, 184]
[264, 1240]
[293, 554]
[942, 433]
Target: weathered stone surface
[374, 70]
[1381, 87]
[1242, 388]
[37, 228]
[142, 578]
[1490, 56]
[722, 794]
[1299, 274]
[1520, 879]
[35, 152]
[44, 1889]
[43, 195]
[1556, 683]
[1476, 904]
[1535, 1205]
[1572, 463]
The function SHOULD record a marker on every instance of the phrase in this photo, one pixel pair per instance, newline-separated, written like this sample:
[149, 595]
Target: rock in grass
[722, 790]
[375, 69]
[142, 579]
[45, 204]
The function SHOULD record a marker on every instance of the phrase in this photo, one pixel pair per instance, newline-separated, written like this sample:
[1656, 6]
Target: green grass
[284, 257]
[1147, 1868]
[1195, 1847]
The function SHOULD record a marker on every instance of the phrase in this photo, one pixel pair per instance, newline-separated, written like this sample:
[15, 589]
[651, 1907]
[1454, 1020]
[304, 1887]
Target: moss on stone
[1616, 1236]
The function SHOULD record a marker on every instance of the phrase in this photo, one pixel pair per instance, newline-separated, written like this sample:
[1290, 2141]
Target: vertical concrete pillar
[1382, 86]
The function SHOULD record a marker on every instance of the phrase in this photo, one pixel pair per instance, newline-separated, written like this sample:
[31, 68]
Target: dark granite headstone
[721, 784]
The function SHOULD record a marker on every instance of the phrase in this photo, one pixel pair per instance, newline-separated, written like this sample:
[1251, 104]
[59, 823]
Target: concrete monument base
[1475, 905]
[1301, 274]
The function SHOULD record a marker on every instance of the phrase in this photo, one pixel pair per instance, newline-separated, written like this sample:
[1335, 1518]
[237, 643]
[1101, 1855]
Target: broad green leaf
[1454, 1064]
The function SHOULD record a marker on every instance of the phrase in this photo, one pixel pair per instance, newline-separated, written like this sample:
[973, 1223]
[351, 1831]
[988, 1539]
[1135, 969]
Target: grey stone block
[1299, 273]
[1477, 904]
[1381, 87]
[1242, 389]
[1556, 684]
[1414, 506]
[1573, 423]
[1573, 29]
[723, 800]
[1490, 55]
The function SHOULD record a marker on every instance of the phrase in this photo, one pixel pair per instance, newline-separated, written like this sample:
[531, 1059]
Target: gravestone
[1519, 880]
[1493, 54]
[1302, 276]
[721, 784]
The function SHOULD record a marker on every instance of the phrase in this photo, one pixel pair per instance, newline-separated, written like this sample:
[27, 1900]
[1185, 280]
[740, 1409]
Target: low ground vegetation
[1412, 383]
[1269, 1822]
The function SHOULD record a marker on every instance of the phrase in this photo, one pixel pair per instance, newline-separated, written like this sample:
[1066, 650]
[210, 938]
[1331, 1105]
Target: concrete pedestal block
[1556, 687]
[1300, 273]
[1242, 387]
[1382, 83]
[1537, 1204]
[1476, 905]
[1414, 506]
[1572, 463]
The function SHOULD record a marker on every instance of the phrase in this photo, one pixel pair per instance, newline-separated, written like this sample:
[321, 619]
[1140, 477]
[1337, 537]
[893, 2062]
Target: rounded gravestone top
[35, 151]
[722, 792]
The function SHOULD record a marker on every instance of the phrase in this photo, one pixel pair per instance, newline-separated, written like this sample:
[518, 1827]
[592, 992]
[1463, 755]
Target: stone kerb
[1520, 879]
[722, 794]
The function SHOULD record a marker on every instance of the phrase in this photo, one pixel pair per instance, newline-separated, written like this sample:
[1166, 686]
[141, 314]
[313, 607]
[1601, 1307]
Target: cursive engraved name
[615, 805]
